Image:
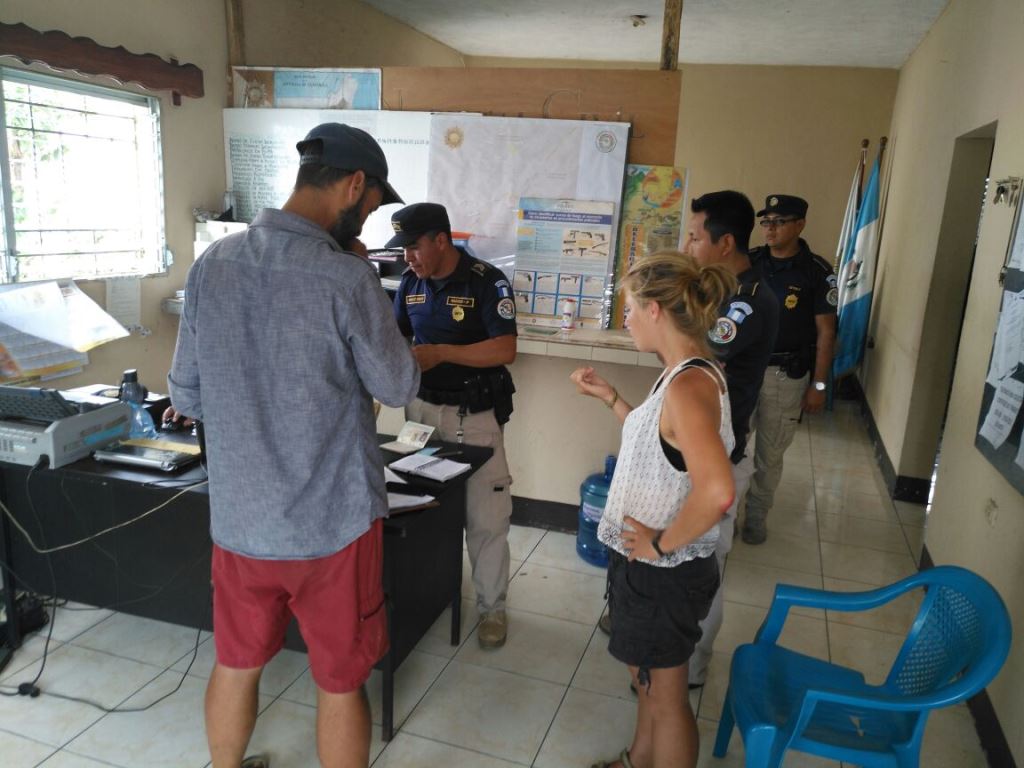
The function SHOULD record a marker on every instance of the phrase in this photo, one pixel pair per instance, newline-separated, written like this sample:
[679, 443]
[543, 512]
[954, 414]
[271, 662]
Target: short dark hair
[324, 176]
[726, 212]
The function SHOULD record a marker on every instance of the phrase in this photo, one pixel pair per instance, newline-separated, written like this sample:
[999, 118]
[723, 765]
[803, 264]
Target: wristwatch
[820, 386]
[656, 543]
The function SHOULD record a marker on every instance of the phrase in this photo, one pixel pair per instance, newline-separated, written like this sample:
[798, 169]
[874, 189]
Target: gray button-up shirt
[283, 340]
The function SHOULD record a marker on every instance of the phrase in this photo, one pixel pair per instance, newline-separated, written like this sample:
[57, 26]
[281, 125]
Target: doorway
[950, 285]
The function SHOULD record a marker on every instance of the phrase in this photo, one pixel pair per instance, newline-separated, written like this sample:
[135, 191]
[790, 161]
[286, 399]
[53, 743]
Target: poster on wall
[562, 253]
[652, 219]
[481, 167]
[1000, 432]
[262, 159]
[294, 88]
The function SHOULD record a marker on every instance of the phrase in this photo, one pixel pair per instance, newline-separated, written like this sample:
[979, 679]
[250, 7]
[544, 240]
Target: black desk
[159, 567]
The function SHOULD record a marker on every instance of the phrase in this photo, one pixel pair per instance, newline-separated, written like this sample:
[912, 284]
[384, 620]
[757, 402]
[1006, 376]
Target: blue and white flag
[856, 282]
[849, 230]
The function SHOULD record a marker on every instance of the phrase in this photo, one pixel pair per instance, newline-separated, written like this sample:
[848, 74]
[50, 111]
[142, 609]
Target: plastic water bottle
[593, 495]
[133, 393]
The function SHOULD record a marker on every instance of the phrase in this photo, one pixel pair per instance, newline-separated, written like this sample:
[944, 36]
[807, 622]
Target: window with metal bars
[82, 183]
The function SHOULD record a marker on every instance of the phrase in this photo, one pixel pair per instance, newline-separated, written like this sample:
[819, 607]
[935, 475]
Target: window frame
[161, 263]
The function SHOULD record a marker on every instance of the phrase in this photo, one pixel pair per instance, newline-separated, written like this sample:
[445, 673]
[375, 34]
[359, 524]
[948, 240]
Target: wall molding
[58, 50]
[914, 490]
[550, 515]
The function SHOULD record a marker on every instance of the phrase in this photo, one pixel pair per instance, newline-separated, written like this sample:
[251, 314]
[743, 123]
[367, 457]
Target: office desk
[159, 567]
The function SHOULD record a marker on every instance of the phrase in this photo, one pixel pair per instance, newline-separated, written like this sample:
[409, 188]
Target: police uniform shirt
[472, 304]
[743, 339]
[805, 287]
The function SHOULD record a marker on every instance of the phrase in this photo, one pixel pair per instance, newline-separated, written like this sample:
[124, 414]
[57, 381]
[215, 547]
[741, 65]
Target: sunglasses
[770, 223]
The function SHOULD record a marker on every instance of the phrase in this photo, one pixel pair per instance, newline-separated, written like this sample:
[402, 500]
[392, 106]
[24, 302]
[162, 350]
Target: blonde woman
[672, 485]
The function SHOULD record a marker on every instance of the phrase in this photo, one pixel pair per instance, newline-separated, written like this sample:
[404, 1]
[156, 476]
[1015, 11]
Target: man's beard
[348, 226]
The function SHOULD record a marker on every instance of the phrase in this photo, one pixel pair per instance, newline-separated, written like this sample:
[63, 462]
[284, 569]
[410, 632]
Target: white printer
[37, 422]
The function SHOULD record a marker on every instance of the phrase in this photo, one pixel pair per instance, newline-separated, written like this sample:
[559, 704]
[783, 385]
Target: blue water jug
[593, 495]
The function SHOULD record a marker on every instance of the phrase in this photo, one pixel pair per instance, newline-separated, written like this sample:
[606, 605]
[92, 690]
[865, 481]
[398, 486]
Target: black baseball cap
[348, 149]
[784, 205]
[415, 220]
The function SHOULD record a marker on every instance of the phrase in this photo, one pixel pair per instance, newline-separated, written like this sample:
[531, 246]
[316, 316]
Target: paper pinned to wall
[1003, 411]
[262, 160]
[481, 166]
[124, 301]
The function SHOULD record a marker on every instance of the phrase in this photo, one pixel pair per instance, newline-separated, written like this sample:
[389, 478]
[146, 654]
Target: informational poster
[651, 220]
[293, 88]
[481, 167]
[1000, 435]
[262, 159]
[563, 252]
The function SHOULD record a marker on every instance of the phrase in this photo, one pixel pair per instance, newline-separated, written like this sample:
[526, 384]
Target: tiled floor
[552, 697]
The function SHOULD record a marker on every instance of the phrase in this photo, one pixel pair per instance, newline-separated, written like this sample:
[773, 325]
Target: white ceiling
[854, 33]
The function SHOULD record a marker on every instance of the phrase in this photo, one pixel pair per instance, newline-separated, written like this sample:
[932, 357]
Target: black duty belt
[781, 358]
[440, 396]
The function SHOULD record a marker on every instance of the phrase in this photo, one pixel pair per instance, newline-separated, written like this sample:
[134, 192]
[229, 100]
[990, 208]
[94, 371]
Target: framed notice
[1001, 420]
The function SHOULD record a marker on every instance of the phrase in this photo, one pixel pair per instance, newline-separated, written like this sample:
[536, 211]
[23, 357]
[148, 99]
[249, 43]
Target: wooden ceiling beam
[670, 35]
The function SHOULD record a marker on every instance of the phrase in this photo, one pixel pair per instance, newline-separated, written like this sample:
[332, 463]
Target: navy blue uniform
[472, 304]
[744, 339]
[805, 286]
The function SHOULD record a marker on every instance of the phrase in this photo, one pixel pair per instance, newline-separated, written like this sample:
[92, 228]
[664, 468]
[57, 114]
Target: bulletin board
[1001, 420]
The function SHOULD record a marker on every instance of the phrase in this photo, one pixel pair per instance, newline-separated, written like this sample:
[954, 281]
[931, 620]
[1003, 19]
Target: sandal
[622, 758]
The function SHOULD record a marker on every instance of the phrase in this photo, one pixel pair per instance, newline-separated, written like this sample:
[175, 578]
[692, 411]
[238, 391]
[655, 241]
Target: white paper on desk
[404, 500]
[1003, 411]
[430, 467]
[124, 301]
[391, 477]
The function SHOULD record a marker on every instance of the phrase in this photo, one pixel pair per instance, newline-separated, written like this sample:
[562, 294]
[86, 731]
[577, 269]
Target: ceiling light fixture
[638, 19]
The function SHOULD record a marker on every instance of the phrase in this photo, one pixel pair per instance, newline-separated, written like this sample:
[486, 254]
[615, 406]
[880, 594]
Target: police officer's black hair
[726, 212]
[435, 232]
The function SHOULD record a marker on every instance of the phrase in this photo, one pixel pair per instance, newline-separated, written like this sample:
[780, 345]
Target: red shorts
[338, 601]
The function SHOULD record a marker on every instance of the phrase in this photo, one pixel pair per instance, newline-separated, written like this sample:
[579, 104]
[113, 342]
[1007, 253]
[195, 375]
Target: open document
[430, 467]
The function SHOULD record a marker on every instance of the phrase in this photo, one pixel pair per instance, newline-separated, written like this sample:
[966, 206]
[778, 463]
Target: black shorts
[656, 612]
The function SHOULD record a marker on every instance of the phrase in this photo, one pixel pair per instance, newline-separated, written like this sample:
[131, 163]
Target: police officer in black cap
[798, 369]
[461, 315]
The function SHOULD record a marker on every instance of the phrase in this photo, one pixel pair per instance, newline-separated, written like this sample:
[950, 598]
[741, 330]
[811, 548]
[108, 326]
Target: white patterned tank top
[645, 485]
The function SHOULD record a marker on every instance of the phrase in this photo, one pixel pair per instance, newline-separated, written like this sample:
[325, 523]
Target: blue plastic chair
[781, 700]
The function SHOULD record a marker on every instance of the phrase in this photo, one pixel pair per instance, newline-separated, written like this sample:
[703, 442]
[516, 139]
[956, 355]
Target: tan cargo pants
[488, 497]
[775, 422]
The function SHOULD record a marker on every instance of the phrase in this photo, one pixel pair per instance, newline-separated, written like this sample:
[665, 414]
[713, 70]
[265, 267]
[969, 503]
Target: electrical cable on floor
[31, 688]
[50, 550]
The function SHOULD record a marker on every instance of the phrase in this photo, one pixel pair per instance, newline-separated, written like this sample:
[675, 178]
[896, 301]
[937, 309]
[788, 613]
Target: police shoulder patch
[723, 332]
[480, 268]
[739, 311]
[507, 309]
[832, 297]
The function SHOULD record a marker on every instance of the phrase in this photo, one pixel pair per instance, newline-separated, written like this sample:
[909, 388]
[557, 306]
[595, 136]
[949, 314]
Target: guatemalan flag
[856, 280]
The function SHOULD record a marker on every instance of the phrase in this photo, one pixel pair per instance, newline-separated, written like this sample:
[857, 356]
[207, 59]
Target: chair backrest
[962, 628]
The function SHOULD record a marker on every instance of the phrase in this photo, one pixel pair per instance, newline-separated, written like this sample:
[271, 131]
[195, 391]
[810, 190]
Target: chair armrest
[788, 596]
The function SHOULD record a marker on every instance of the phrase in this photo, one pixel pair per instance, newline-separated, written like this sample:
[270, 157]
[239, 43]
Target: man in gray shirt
[285, 338]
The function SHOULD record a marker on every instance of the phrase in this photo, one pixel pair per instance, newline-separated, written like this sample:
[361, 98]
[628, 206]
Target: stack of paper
[405, 501]
[430, 467]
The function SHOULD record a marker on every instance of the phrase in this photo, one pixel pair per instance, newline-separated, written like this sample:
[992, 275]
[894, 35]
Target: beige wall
[960, 78]
[795, 130]
[335, 33]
